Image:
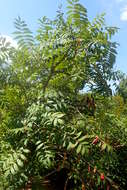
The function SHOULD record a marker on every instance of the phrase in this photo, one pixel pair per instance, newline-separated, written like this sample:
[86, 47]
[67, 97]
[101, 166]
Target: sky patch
[123, 16]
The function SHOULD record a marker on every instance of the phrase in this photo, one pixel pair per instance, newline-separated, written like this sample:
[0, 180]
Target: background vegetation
[48, 122]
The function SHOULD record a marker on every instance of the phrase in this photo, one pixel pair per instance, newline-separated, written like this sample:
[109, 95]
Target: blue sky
[31, 10]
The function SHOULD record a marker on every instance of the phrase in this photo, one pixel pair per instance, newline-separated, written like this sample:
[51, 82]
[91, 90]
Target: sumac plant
[47, 120]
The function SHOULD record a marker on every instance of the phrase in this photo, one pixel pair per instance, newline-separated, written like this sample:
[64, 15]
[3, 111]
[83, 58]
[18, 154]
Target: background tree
[122, 88]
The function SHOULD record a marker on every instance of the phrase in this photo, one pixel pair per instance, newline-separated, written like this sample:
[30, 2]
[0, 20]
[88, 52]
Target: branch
[52, 71]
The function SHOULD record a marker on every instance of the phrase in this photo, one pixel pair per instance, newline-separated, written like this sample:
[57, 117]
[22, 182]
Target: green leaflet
[40, 146]
[16, 168]
[26, 151]
[12, 170]
[78, 150]
[104, 146]
[20, 163]
[23, 157]
[83, 151]
[71, 146]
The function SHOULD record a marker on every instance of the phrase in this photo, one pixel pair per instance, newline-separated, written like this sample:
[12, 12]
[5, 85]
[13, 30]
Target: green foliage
[5, 51]
[46, 123]
[122, 88]
[23, 34]
[77, 14]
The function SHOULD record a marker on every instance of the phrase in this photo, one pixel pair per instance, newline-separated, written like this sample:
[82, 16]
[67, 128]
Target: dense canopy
[57, 110]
